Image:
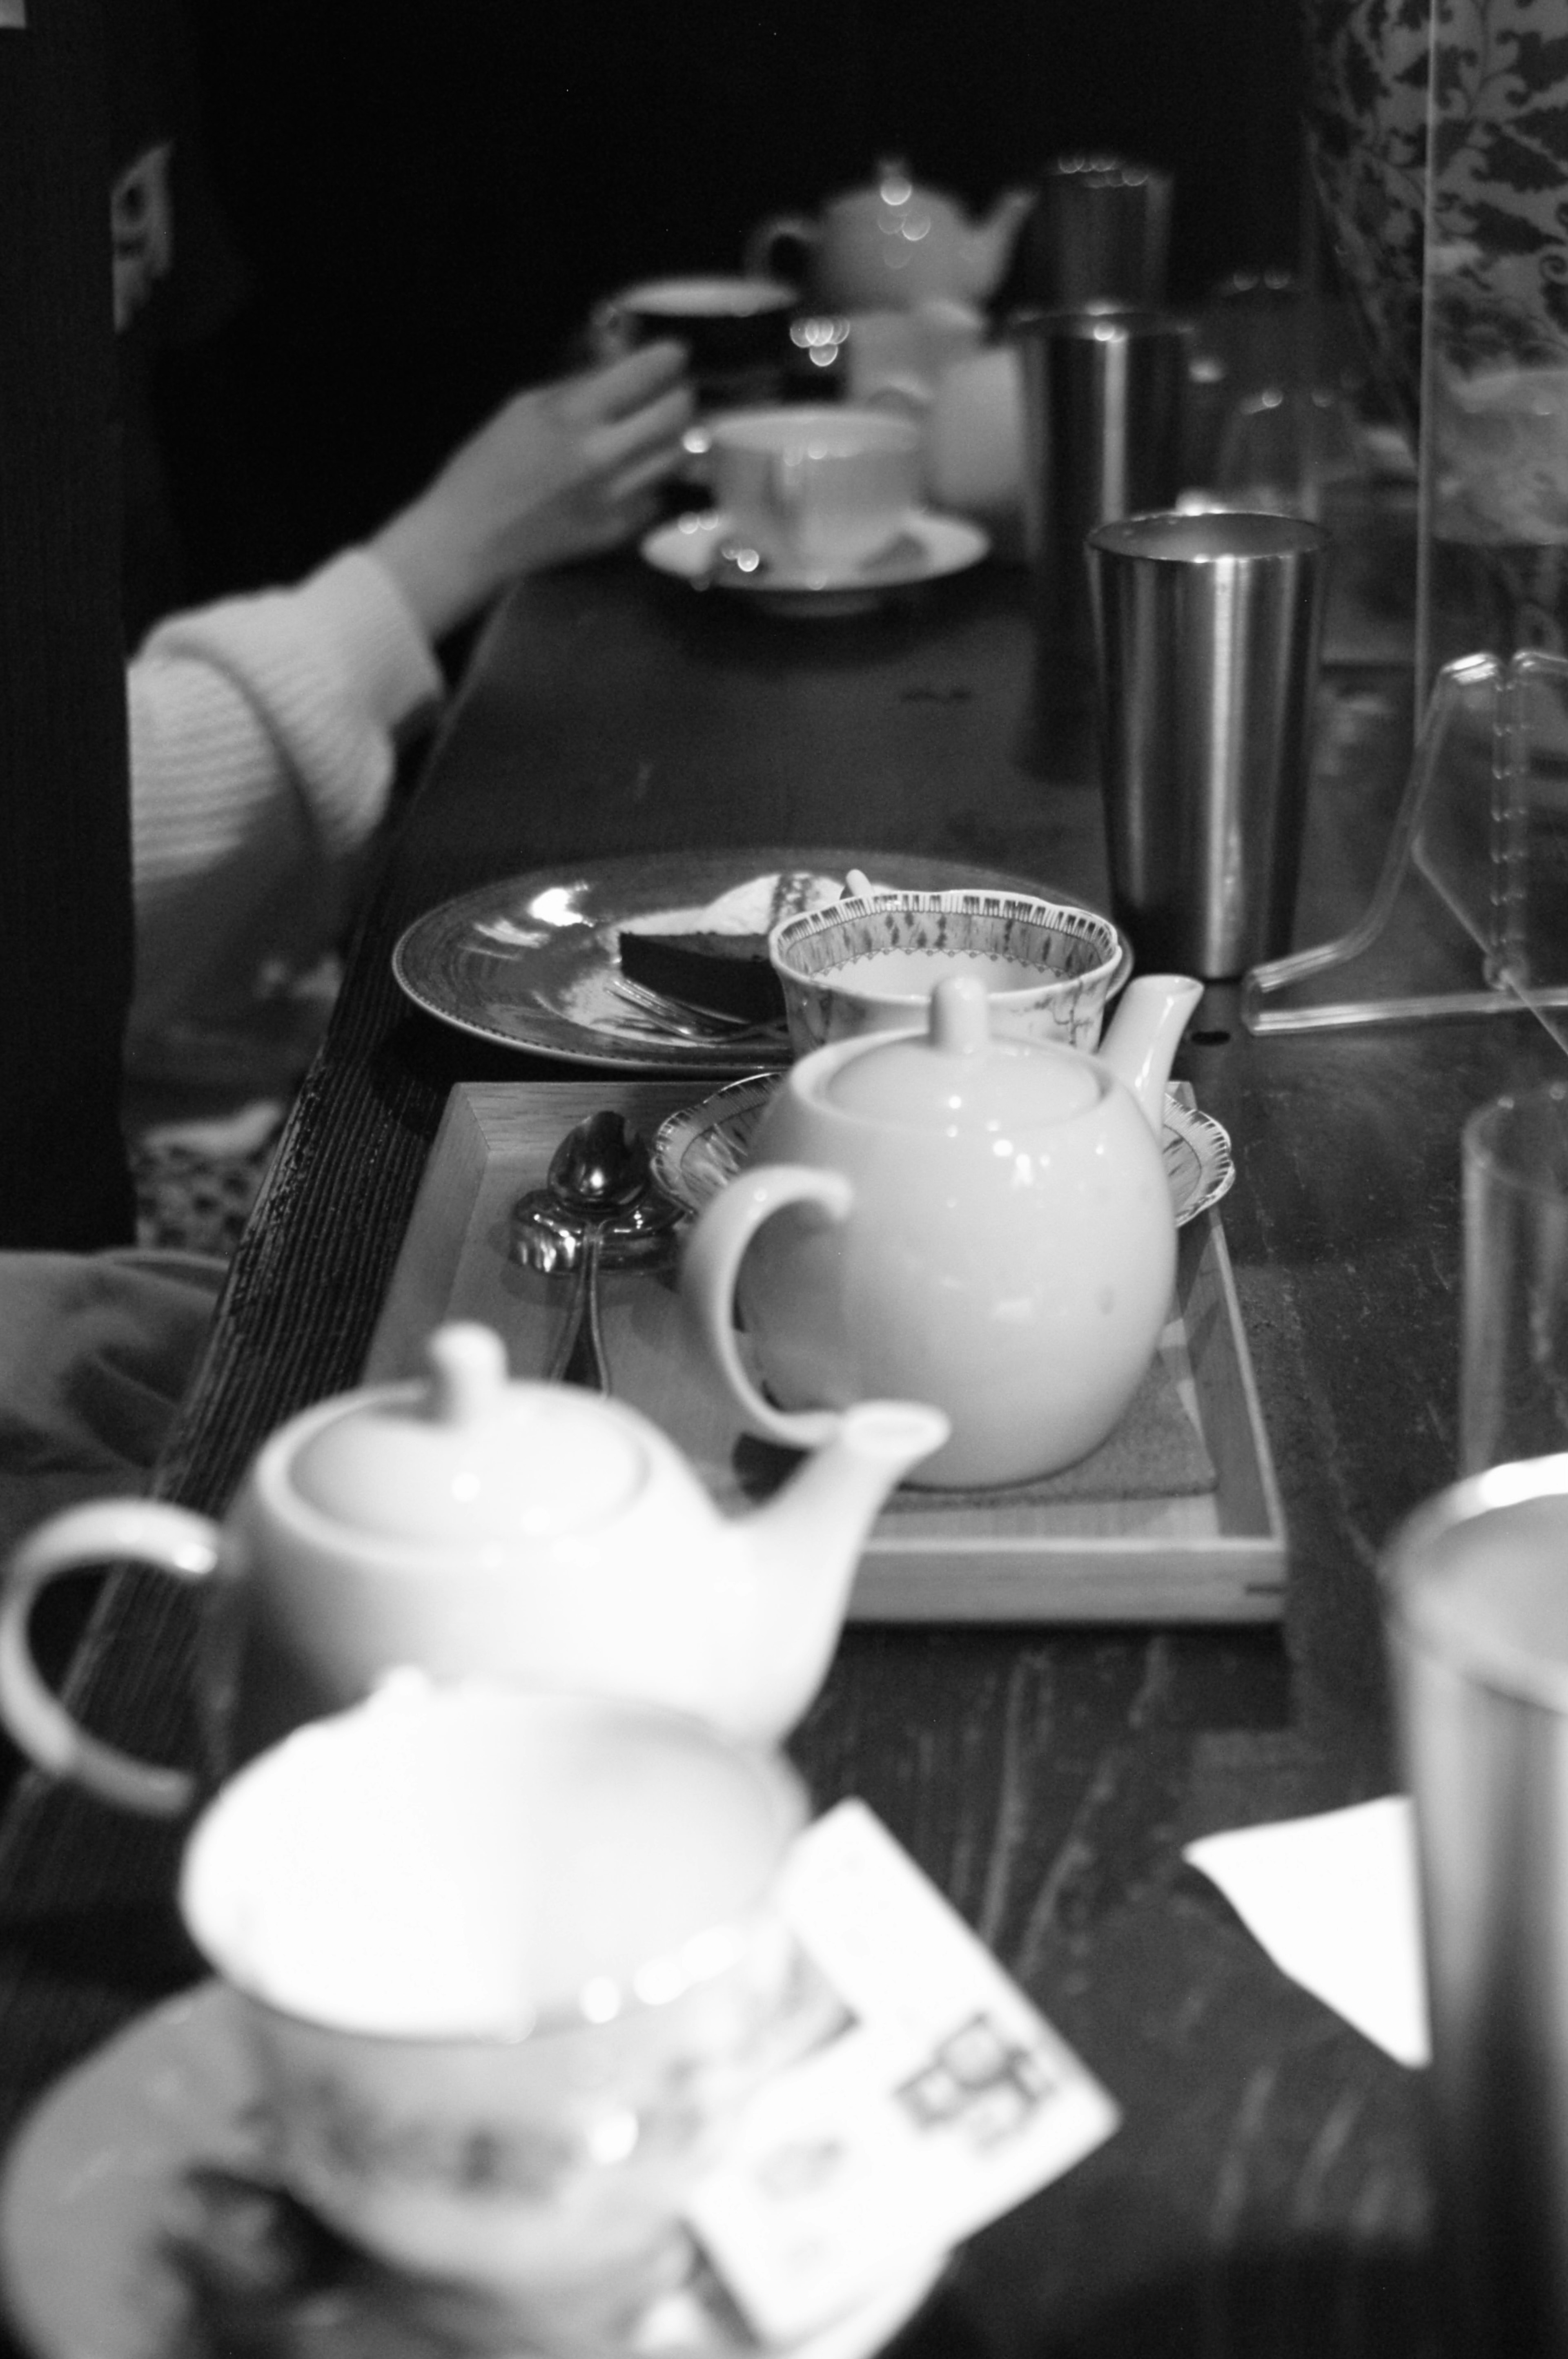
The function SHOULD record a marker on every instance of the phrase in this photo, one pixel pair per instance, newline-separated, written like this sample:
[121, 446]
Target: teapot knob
[468, 1366]
[960, 1016]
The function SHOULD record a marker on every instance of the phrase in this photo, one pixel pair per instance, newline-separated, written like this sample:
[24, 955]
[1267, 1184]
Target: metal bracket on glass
[1483, 823]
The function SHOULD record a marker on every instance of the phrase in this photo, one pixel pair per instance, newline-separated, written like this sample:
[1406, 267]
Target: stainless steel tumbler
[1104, 408]
[1513, 1358]
[1099, 232]
[1207, 632]
[1475, 1589]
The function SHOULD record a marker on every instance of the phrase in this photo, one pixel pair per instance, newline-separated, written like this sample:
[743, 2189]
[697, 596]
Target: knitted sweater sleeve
[262, 755]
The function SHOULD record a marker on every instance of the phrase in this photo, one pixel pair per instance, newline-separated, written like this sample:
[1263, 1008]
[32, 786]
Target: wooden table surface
[1266, 2192]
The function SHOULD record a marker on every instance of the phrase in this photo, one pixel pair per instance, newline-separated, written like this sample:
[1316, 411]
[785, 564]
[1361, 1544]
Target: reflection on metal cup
[1513, 1386]
[1207, 631]
[1099, 232]
[1475, 1587]
[1104, 394]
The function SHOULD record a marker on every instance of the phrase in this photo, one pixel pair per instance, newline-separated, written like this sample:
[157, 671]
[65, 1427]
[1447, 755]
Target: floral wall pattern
[1438, 131]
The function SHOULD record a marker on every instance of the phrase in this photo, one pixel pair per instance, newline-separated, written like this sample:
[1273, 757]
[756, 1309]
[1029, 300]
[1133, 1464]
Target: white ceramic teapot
[986, 1223]
[473, 1525]
[890, 246]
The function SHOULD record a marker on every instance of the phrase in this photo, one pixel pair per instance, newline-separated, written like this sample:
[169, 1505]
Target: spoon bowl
[600, 1167]
[599, 1208]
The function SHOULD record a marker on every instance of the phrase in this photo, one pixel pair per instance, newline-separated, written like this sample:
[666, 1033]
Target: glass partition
[1493, 444]
[1439, 140]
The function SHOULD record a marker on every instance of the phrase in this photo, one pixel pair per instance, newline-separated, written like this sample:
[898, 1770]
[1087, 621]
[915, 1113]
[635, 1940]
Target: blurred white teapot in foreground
[474, 1525]
[984, 1223]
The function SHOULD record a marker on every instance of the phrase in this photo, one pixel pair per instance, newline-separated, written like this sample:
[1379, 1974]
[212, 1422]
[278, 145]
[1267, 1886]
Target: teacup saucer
[929, 548]
[697, 1150]
[99, 2184]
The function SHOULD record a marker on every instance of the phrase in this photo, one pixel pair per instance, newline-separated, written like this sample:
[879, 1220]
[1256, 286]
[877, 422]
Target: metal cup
[1099, 232]
[1513, 1382]
[1207, 630]
[1475, 1588]
[1104, 394]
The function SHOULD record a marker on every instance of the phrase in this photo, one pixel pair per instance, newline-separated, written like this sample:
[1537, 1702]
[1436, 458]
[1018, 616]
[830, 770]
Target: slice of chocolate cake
[722, 966]
[728, 974]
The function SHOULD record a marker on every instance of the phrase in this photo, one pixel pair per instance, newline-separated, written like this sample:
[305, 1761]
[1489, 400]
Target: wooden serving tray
[1214, 1556]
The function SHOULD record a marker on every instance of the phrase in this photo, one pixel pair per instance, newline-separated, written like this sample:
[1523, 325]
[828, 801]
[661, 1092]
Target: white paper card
[1334, 1901]
[940, 2100]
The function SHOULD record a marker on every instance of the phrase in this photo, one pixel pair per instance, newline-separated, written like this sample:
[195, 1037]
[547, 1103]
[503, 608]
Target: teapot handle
[711, 1264]
[106, 1531]
[761, 257]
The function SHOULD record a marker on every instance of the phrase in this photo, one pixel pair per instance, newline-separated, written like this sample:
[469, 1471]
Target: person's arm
[263, 746]
[263, 729]
[559, 472]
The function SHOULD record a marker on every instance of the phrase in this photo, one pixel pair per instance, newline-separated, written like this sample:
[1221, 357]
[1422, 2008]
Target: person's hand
[561, 472]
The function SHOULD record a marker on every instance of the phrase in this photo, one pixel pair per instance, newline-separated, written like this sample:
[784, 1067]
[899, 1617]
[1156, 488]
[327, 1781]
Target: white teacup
[870, 962]
[510, 1964]
[815, 491]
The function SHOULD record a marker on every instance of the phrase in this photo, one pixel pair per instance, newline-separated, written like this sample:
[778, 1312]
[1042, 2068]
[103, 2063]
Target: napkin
[935, 2099]
[1332, 1899]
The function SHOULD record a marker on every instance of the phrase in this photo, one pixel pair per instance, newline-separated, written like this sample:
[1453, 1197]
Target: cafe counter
[1266, 2191]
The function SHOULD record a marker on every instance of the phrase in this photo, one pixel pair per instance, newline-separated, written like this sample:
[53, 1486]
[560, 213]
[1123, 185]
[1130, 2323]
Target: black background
[428, 198]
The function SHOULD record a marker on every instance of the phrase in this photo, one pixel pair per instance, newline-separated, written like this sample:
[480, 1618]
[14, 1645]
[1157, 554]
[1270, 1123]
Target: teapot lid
[892, 184]
[478, 1460]
[955, 1075]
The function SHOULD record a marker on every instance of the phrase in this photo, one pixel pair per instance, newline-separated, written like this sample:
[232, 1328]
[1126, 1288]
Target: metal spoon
[598, 1209]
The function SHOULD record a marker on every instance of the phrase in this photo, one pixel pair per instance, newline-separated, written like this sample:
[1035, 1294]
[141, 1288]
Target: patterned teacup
[510, 1964]
[871, 963]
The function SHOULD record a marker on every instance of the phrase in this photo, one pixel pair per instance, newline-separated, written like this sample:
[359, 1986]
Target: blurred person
[263, 746]
[264, 736]
[265, 728]
[266, 731]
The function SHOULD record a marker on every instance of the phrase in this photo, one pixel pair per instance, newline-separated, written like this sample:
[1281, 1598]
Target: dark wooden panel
[65, 938]
[428, 207]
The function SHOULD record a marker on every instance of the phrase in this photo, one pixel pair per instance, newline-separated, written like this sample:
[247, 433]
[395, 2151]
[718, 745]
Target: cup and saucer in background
[818, 507]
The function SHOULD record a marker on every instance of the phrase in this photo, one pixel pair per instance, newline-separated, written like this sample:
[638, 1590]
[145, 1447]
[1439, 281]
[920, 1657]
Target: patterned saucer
[932, 547]
[698, 1150]
[110, 2197]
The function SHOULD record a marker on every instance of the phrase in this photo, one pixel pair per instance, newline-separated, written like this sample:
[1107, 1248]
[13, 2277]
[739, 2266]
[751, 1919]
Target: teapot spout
[807, 1543]
[991, 242]
[1141, 1044]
